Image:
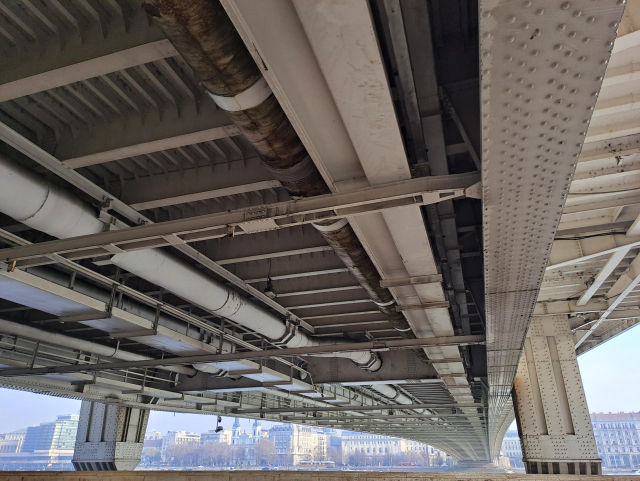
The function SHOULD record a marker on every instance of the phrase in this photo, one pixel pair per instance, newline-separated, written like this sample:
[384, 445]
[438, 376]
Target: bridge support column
[550, 406]
[110, 437]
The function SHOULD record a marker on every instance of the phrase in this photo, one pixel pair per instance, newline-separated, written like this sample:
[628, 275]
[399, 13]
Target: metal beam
[153, 146]
[630, 287]
[82, 60]
[588, 257]
[272, 255]
[265, 354]
[411, 281]
[604, 273]
[52, 164]
[380, 407]
[268, 217]
[208, 194]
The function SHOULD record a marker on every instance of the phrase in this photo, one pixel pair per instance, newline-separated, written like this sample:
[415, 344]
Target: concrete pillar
[110, 437]
[550, 406]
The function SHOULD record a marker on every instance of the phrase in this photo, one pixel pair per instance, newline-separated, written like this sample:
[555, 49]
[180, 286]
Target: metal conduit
[36, 334]
[207, 39]
[44, 206]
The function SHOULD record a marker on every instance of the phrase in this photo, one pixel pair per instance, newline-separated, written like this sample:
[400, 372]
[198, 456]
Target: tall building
[618, 439]
[49, 445]
[12, 442]
[511, 449]
[54, 435]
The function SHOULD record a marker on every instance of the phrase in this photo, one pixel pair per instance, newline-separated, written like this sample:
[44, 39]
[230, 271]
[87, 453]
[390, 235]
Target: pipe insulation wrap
[55, 339]
[25, 195]
[207, 39]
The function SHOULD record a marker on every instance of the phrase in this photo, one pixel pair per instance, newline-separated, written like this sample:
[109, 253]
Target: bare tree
[151, 456]
[266, 453]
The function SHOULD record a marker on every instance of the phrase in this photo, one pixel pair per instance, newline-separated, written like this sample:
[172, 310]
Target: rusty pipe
[206, 38]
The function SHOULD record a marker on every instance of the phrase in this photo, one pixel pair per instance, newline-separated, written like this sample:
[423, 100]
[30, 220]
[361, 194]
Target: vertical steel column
[110, 437]
[551, 409]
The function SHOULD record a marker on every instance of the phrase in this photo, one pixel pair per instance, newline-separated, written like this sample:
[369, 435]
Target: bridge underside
[351, 232]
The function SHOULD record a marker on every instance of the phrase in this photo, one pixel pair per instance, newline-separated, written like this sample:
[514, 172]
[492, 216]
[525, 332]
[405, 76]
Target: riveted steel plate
[542, 65]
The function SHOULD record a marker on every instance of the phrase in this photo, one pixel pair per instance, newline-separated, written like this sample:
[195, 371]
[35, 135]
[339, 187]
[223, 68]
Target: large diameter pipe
[41, 205]
[36, 334]
[206, 38]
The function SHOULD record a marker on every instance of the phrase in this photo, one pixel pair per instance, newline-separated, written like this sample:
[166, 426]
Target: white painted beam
[272, 255]
[611, 131]
[618, 300]
[153, 146]
[622, 74]
[617, 105]
[604, 273]
[209, 194]
[144, 53]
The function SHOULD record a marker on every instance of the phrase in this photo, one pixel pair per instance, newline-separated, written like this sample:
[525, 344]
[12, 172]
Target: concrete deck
[284, 476]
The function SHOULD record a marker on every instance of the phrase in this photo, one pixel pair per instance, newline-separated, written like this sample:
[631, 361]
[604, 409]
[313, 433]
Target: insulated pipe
[42, 205]
[209, 42]
[20, 330]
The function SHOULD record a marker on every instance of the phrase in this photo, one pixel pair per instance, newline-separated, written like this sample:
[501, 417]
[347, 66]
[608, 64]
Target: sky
[610, 374]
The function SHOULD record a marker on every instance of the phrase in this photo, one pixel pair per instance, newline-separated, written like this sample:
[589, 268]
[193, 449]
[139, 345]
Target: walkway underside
[330, 213]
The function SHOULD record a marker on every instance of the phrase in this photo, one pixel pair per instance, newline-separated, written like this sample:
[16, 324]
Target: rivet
[486, 14]
[572, 34]
[509, 58]
[486, 35]
[562, 87]
[511, 39]
[574, 91]
[527, 4]
[558, 46]
[552, 81]
[578, 75]
[525, 26]
[577, 13]
[568, 53]
[562, 26]
[521, 64]
[582, 58]
[523, 45]
[508, 75]
[586, 40]
[598, 79]
[486, 54]
[591, 19]
[554, 65]
[534, 53]
[548, 96]
[604, 62]
[511, 19]
[613, 25]
[540, 11]
[621, 2]
[531, 86]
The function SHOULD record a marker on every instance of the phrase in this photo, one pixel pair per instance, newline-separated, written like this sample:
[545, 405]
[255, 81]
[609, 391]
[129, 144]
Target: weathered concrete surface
[284, 476]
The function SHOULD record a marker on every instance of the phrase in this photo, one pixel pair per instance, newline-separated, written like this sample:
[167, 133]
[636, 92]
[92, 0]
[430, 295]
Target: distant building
[12, 442]
[376, 445]
[618, 439]
[512, 449]
[152, 435]
[178, 437]
[57, 435]
[48, 446]
[211, 436]
[245, 443]
[296, 443]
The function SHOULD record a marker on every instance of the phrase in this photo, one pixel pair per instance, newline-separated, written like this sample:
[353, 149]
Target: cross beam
[266, 354]
[421, 191]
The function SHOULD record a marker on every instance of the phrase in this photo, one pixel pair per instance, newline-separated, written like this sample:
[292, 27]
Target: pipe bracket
[248, 99]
